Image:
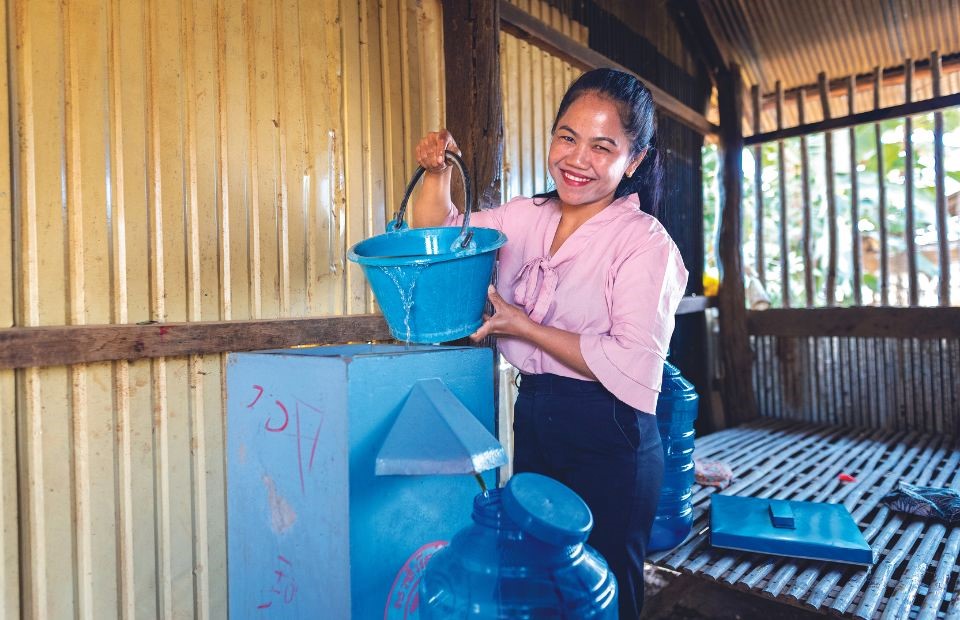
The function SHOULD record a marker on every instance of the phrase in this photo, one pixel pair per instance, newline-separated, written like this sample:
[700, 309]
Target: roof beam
[696, 35]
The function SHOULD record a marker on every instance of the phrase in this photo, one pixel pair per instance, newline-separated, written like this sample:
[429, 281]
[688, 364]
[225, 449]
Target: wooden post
[474, 114]
[471, 50]
[739, 401]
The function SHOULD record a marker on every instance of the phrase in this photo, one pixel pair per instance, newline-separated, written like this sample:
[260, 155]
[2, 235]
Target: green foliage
[867, 173]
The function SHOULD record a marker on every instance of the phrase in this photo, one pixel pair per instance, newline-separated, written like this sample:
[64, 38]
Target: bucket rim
[425, 259]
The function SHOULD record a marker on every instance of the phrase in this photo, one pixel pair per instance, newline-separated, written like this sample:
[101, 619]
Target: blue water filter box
[312, 531]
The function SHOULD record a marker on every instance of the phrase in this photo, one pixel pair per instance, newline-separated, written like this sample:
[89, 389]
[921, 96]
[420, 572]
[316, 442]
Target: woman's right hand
[430, 151]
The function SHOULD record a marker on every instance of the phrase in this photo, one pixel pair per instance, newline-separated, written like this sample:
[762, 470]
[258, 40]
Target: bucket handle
[465, 233]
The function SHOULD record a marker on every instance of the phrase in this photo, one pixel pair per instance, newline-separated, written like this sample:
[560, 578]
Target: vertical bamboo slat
[805, 195]
[782, 182]
[882, 193]
[759, 263]
[854, 196]
[831, 290]
[909, 226]
[943, 234]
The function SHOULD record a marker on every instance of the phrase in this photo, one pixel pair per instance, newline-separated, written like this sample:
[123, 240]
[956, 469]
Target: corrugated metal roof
[794, 40]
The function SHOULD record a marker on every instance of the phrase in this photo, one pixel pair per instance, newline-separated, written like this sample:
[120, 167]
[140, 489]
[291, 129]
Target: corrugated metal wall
[533, 83]
[176, 161]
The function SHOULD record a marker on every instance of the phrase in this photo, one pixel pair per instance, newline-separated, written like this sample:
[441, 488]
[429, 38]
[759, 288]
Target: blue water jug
[676, 413]
[523, 556]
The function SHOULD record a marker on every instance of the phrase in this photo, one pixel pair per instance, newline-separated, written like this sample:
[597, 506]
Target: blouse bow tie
[536, 285]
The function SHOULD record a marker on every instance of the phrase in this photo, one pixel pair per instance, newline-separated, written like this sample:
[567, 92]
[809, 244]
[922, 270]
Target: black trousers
[579, 433]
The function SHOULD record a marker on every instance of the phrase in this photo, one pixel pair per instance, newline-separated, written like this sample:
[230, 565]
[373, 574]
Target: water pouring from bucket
[430, 283]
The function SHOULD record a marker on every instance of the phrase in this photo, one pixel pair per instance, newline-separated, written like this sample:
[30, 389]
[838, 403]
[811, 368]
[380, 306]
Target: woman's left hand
[506, 320]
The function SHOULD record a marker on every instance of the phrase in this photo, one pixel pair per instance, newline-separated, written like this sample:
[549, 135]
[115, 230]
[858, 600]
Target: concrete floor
[671, 596]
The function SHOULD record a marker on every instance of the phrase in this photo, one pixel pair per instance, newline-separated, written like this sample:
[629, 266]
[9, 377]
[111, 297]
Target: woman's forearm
[431, 201]
[561, 345]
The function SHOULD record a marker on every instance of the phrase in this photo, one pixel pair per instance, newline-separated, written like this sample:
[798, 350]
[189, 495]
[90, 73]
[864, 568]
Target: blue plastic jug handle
[465, 235]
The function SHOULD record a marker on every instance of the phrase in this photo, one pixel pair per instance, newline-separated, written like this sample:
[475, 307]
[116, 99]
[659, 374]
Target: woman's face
[590, 153]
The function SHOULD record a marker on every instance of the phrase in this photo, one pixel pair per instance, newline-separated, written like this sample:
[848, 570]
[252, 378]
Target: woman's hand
[432, 202]
[509, 320]
[506, 320]
[430, 151]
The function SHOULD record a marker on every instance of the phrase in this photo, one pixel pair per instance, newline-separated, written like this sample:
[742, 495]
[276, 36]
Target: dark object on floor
[934, 502]
[671, 596]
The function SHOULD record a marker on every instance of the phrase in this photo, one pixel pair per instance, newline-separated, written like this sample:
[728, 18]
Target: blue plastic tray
[811, 530]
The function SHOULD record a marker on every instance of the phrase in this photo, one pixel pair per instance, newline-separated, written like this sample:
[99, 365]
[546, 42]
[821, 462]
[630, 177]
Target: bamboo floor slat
[916, 574]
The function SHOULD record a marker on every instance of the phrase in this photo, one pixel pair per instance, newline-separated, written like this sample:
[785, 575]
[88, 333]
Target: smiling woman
[587, 287]
[588, 163]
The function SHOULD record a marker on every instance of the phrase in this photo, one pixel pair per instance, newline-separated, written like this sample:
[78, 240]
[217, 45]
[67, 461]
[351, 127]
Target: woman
[588, 284]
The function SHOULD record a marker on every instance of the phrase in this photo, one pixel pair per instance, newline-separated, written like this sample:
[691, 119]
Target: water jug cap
[547, 509]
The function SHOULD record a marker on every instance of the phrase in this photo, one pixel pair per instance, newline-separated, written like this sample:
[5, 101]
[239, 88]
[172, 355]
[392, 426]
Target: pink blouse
[616, 281]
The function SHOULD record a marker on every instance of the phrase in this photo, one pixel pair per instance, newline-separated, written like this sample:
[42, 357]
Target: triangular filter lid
[434, 433]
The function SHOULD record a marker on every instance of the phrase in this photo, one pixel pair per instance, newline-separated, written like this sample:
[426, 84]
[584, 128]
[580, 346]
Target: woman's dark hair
[637, 114]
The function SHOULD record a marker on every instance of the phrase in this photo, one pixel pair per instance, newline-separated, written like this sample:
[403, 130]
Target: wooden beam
[696, 35]
[871, 116]
[23, 347]
[471, 50]
[521, 24]
[739, 401]
[862, 322]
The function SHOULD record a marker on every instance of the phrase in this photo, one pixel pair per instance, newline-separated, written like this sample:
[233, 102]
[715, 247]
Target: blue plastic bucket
[430, 283]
